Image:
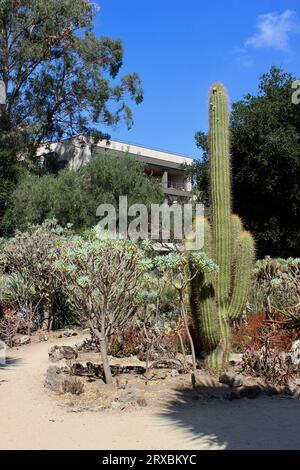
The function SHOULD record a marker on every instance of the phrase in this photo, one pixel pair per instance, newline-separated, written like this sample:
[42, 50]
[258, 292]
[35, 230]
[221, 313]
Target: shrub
[276, 289]
[102, 280]
[72, 385]
[257, 331]
[73, 197]
[32, 284]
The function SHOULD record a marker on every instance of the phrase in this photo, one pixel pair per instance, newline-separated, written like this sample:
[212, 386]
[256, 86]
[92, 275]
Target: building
[168, 167]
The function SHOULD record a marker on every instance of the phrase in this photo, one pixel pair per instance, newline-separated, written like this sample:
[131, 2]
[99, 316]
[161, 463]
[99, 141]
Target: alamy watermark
[296, 93]
[159, 222]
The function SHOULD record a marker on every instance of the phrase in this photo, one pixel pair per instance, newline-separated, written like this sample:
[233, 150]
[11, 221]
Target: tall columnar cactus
[219, 299]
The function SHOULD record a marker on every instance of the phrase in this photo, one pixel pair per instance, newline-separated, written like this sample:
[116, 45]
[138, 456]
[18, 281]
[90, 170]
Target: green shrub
[31, 282]
[73, 197]
[276, 288]
[102, 280]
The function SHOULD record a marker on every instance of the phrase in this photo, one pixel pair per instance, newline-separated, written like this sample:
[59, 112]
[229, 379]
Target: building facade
[168, 168]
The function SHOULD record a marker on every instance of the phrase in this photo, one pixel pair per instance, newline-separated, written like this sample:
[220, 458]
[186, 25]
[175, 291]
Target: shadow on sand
[267, 422]
[10, 362]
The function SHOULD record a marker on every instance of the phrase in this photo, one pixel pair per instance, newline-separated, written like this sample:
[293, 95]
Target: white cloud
[273, 30]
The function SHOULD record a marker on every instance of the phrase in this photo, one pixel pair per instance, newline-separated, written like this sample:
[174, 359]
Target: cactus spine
[217, 300]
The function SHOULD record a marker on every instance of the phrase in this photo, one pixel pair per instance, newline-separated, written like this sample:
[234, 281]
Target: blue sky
[180, 47]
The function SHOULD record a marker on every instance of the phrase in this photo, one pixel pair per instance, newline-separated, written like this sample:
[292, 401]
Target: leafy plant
[26, 258]
[102, 280]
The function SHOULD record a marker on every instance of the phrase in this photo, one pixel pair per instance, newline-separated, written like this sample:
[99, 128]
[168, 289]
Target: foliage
[219, 299]
[73, 197]
[256, 329]
[11, 172]
[265, 164]
[107, 177]
[59, 77]
[199, 170]
[268, 364]
[101, 278]
[277, 286]
[26, 258]
[37, 199]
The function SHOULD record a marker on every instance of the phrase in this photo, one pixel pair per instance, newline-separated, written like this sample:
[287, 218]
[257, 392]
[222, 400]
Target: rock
[68, 333]
[174, 373]
[231, 379]
[294, 353]
[75, 410]
[235, 358]
[95, 408]
[20, 340]
[43, 337]
[130, 396]
[115, 405]
[57, 353]
[54, 378]
[80, 344]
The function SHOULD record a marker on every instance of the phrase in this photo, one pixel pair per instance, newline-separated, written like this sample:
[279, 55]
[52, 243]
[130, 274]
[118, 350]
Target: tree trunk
[104, 357]
[47, 320]
[186, 324]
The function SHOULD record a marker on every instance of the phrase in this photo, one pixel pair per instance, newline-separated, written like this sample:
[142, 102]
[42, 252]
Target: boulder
[68, 333]
[131, 396]
[294, 353]
[20, 340]
[43, 337]
[231, 379]
[174, 373]
[54, 378]
[57, 353]
[235, 358]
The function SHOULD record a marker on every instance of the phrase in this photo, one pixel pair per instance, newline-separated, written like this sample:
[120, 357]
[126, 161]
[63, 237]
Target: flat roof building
[168, 167]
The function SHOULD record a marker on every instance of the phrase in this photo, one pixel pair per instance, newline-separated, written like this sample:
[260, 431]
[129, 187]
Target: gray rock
[54, 378]
[68, 333]
[294, 353]
[174, 373]
[95, 408]
[43, 337]
[80, 344]
[57, 353]
[131, 396]
[231, 379]
[116, 405]
[20, 340]
[235, 358]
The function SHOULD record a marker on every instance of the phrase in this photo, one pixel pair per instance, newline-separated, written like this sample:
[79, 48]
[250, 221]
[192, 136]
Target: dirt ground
[174, 418]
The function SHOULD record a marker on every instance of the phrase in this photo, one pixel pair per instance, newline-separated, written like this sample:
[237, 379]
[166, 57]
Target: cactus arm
[245, 253]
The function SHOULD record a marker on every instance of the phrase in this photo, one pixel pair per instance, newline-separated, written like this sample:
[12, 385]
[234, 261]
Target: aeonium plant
[102, 280]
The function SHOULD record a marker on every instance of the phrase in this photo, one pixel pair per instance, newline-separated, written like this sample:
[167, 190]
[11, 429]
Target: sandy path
[30, 419]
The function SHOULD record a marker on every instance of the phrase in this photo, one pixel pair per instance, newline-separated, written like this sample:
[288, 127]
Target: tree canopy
[59, 77]
[265, 148]
[266, 164]
[73, 197]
